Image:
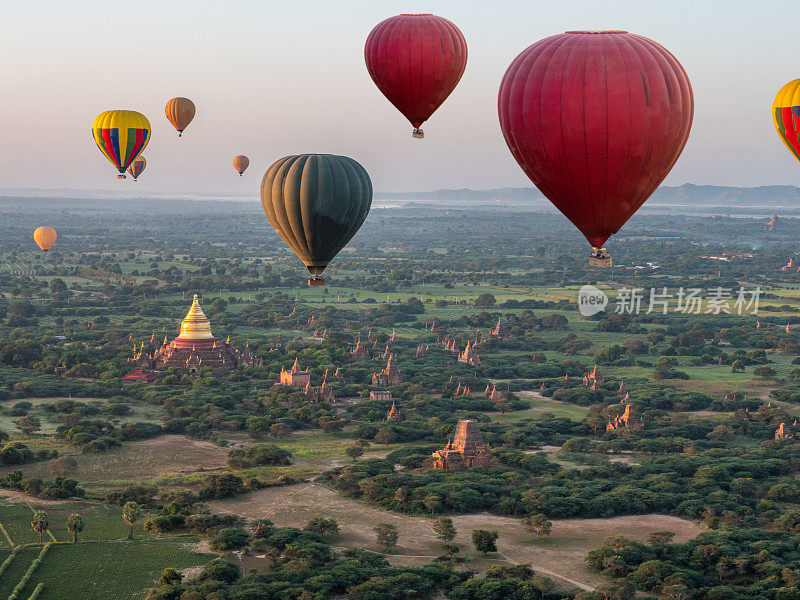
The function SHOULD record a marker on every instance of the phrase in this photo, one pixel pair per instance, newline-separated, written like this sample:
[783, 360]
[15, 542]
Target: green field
[110, 570]
[103, 565]
[101, 522]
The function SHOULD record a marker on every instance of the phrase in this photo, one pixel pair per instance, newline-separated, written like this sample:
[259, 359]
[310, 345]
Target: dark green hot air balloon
[316, 203]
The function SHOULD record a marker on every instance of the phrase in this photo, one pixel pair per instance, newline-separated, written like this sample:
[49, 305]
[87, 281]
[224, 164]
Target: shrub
[230, 538]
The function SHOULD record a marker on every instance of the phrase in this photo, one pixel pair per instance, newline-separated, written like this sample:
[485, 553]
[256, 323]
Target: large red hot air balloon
[416, 61]
[596, 119]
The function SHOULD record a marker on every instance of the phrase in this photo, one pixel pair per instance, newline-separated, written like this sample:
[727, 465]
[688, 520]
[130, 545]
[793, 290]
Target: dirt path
[561, 556]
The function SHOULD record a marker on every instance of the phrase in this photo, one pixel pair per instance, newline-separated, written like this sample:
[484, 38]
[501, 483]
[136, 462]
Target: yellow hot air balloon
[240, 163]
[45, 237]
[121, 135]
[180, 112]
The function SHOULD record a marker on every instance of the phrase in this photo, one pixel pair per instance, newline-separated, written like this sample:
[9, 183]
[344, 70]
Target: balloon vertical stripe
[786, 116]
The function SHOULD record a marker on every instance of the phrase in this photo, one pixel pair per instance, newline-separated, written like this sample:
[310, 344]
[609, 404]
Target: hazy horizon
[271, 79]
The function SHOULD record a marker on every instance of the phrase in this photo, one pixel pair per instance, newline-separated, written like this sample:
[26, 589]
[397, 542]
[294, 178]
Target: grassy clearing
[538, 405]
[142, 460]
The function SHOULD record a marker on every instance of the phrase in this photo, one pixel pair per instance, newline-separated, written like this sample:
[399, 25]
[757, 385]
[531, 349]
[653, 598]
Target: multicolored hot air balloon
[137, 166]
[180, 112]
[240, 163]
[121, 135]
[786, 115]
[316, 203]
[416, 61]
[44, 237]
[596, 119]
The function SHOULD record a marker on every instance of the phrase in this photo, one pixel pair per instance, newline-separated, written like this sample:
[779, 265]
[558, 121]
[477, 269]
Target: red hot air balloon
[596, 119]
[416, 61]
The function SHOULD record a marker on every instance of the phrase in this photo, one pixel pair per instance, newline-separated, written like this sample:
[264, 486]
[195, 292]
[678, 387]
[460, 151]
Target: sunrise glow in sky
[276, 78]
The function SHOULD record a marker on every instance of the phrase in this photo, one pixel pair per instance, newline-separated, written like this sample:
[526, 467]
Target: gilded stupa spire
[195, 326]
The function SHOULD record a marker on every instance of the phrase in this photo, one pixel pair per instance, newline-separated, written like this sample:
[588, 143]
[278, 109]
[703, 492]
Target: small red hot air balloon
[416, 61]
[596, 119]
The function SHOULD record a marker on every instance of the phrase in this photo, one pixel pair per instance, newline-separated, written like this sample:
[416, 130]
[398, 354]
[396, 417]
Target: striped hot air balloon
[121, 135]
[316, 203]
[137, 166]
[786, 115]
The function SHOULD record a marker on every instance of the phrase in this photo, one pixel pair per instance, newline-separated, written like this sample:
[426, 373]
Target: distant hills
[689, 194]
[764, 197]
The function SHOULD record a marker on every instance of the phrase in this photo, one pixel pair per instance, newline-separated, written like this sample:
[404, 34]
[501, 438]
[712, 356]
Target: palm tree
[129, 513]
[40, 523]
[75, 526]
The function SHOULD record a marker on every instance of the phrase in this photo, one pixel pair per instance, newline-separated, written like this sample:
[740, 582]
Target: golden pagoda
[195, 329]
[194, 348]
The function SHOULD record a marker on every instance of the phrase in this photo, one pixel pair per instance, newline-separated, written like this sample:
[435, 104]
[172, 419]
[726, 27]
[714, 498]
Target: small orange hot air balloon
[45, 237]
[240, 163]
[180, 112]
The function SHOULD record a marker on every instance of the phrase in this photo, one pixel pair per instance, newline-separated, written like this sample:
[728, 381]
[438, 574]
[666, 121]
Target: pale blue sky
[275, 78]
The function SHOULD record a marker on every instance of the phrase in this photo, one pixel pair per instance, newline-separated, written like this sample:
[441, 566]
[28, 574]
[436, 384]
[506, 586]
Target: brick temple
[593, 378]
[499, 330]
[359, 351]
[393, 413]
[323, 393]
[784, 433]
[492, 394]
[466, 450]
[295, 376]
[628, 420]
[389, 376]
[470, 355]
